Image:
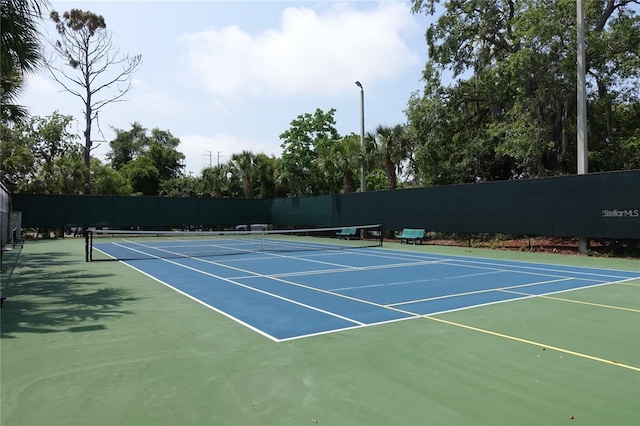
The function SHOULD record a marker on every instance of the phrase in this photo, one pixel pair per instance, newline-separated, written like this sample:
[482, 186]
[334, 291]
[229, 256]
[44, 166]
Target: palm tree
[392, 146]
[342, 160]
[216, 180]
[264, 169]
[243, 166]
[19, 52]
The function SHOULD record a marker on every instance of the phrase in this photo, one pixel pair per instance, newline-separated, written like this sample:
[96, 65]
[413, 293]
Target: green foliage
[146, 160]
[19, 53]
[392, 147]
[376, 180]
[512, 112]
[264, 185]
[143, 175]
[127, 145]
[16, 157]
[108, 181]
[184, 186]
[254, 173]
[78, 21]
[216, 181]
[162, 150]
[299, 170]
[41, 156]
[68, 171]
[338, 163]
[242, 168]
[620, 150]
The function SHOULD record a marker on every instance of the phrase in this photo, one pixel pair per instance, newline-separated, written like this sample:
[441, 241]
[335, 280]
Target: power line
[371, 117]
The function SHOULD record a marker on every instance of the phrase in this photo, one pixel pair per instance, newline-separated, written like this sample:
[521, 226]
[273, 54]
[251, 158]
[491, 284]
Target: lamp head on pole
[363, 183]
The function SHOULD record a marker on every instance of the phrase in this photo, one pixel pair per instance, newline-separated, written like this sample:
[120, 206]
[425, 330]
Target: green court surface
[102, 344]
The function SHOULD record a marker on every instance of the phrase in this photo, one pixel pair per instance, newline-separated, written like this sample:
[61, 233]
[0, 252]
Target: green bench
[408, 234]
[347, 233]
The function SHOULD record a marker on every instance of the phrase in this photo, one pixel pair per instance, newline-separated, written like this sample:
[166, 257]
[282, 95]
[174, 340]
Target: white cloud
[311, 53]
[148, 99]
[42, 84]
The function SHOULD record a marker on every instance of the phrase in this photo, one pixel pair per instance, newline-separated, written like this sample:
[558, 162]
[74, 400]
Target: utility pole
[583, 166]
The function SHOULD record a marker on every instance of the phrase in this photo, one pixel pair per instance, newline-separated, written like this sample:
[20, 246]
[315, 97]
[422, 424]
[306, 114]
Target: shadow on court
[42, 300]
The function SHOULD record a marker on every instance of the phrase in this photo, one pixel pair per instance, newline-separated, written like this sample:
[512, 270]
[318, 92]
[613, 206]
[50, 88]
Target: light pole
[583, 167]
[363, 186]
[582, 92]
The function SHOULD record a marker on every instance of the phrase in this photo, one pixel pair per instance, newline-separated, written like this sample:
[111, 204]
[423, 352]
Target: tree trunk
[87, 133]
[347, 183]
[390, 171]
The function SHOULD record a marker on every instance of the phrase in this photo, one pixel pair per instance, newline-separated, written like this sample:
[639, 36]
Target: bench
[346, 232]
[408, 234]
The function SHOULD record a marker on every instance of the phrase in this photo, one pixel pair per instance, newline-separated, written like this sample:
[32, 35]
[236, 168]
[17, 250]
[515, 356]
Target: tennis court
[292, 287]
[353, 335]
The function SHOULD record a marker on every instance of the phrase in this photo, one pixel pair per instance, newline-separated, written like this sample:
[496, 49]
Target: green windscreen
[596, 205]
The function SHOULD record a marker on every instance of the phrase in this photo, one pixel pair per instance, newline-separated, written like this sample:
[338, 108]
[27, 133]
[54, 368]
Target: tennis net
[132, 245]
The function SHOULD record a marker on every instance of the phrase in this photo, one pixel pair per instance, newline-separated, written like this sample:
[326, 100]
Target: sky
[229, 76]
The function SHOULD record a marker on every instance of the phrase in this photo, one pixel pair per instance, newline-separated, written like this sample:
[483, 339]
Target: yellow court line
[542, 296]
[591, 303]
[530, 342]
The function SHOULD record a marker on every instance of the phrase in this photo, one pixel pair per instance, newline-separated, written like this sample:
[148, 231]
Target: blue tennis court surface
[290, 295]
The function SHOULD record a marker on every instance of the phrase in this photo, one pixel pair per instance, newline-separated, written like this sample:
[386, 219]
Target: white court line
[246, 286]
[355, 327]
[418, 281]
[544, 295]
[332, 293]
[466, 293]
[346, 268]
[176, 254]
[263, 292]
[221, 312]
[412, 315]
[461, 262]
[515, 264]
[319, 290]
[452, 262]
[280, 280]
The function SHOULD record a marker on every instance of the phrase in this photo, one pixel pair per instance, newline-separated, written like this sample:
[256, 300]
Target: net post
[88, 244]
[381, 231]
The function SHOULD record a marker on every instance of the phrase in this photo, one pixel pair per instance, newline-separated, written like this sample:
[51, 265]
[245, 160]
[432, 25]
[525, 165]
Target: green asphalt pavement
[102, 344]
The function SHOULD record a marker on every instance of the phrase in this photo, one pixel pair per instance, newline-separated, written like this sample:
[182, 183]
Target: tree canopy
[19, 53]
[498, 102]
[147, 160]
[512, 111]
[309, 136]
